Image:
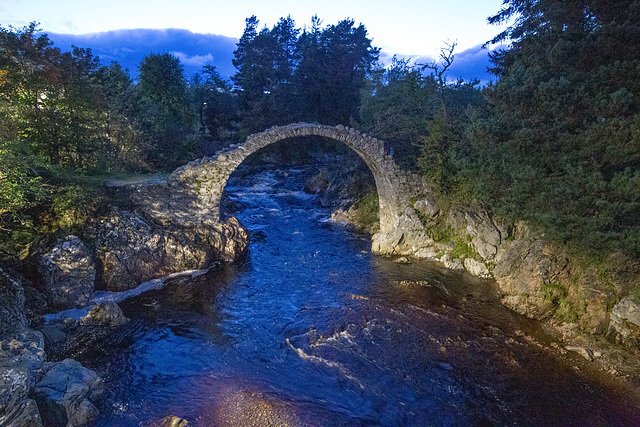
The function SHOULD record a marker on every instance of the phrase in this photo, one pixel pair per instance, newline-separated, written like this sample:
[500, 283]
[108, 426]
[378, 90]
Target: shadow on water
[311, 329]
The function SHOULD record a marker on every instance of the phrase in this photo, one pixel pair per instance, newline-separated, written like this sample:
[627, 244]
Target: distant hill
[129, 47]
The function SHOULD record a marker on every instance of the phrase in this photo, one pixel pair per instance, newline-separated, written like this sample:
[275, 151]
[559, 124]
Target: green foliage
[217, 108]
[163, 110]
[331, 73]
[73, 204]
[162, 81]
[462, 250]
[559, 145]
[440, 231]
[20, 187]
[556, 294]
[364, 211]
[286, 75]
[397, 107]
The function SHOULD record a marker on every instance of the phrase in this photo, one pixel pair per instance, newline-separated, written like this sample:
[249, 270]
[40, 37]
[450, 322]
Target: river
[312, 329]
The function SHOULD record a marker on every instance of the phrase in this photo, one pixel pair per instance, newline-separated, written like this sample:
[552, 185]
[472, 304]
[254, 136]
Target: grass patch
[364, 212]
[462, 250]
[557, 295]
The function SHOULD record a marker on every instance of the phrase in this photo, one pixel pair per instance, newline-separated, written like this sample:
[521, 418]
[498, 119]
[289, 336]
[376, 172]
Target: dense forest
[555, 141]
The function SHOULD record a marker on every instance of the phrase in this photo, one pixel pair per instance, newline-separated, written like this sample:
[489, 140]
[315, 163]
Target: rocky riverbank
[594, 303]
[115, 252]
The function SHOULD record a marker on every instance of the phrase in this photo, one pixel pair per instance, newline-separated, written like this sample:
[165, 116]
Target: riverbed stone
[585, 352]
[21, 356]
[452, 263]
[477, 268]
[105, 314]
[428, 252]
[67, 394]
[318, 183]
[67, 273]
[171, 421]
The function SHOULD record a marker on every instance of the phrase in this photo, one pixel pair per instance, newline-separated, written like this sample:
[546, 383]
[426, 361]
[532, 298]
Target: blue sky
[416, 28]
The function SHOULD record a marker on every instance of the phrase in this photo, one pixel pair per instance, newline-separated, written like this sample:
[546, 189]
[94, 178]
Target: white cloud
[194, 60]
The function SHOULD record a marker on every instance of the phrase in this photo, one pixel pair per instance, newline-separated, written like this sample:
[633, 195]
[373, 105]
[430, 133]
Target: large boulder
[477, 268]
[624, 323]
[68, 394]
[407, 237]
[318, 183]
[68, 274]
[21, 356]
[485, 236]
[523, 267]
[171, 421]
[132, 250]
[12, 314]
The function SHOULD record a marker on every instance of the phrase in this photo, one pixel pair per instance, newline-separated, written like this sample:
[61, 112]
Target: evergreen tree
[563, 139]
[163, 110]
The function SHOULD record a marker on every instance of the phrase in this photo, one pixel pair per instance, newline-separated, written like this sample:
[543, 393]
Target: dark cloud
[129, 47]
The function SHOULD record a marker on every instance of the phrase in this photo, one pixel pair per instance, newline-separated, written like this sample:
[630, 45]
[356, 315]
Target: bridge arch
[200, 183]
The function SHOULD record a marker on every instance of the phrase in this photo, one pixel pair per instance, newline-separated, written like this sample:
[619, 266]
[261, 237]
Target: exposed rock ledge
[537, 278]
[132, 249]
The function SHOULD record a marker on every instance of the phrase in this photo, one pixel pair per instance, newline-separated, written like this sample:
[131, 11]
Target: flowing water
[314, 330]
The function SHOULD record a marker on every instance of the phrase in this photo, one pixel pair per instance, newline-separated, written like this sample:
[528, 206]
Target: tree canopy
[563, 132]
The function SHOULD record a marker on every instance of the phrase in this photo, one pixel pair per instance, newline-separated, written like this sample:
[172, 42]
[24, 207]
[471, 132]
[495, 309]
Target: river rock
[587, 353]
[68, 274]
[20, 358]
[133, 250]
[340, 215]
[12, 314]
[317, 184]
[427, 206]
[451, 263]
[429, 252]
[67, 394]
[485, 236]
[105, 314]
[476, 268]
[406, 238]
[624, 321]
[171, 421]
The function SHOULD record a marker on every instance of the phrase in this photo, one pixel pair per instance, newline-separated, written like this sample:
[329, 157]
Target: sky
[416, 28]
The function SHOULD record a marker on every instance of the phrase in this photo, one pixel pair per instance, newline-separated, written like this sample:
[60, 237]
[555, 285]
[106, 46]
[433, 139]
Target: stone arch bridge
[192, 194]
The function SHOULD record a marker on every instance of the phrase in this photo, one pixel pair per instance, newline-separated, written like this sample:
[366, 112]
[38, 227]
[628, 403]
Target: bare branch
[446, 59]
